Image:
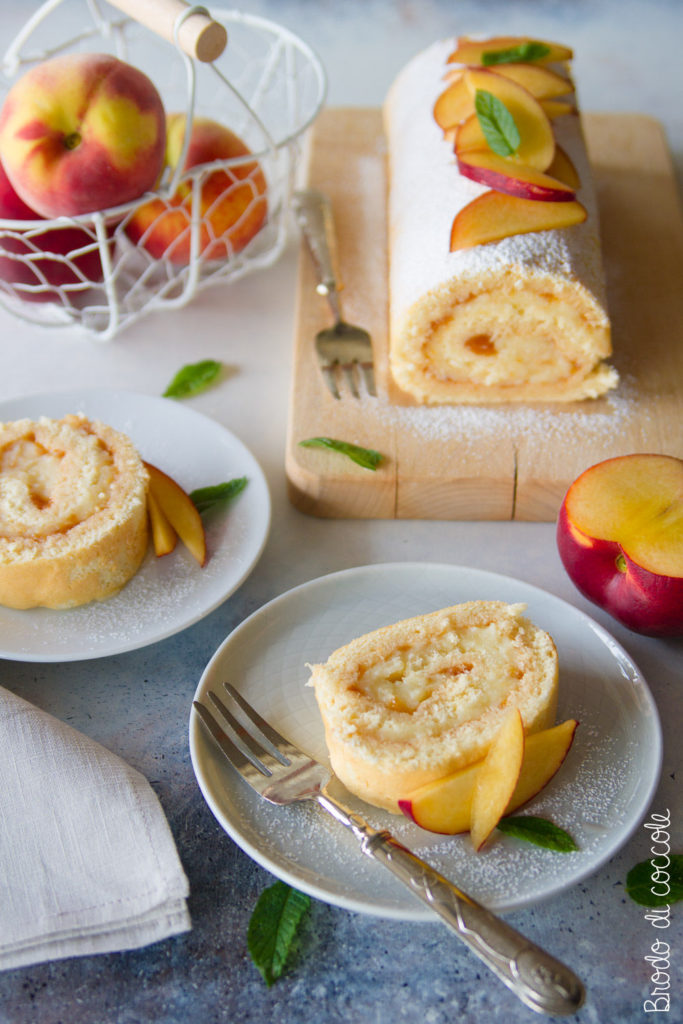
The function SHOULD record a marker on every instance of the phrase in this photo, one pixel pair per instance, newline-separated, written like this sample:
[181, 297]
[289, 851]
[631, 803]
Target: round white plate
[600, 794]
[167, 594]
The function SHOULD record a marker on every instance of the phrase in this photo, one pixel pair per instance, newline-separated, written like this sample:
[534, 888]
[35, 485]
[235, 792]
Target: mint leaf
[365, 457]
[497, 123]
[206, 497]
[192, 379]
[538, 831]
[272, 927]
[515, 54]
[640, 882]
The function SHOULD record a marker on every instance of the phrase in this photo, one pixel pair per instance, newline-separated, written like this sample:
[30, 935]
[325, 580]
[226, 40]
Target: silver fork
[343, 347]
[283, 774]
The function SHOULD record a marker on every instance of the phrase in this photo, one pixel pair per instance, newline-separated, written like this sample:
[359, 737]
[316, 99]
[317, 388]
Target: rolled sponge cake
[73, 512]
[520, 319]
[416, 700]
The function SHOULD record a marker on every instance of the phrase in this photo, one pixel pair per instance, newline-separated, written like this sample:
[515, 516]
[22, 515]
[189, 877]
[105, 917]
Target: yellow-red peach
[82, 132]
[232, 208]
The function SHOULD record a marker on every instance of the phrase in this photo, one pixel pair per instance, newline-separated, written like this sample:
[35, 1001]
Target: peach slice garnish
[453, 105]
[487, 168]
[537, 142]
[563, 169]
[180, 511]
[497, 778]
[164, 537]
[495, 215]
[445, 805]
[557, 108]
[541, 82]
[471, 51]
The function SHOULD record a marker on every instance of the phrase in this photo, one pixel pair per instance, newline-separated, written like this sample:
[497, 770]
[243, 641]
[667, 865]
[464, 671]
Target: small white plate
[167, 594]
[600, 794]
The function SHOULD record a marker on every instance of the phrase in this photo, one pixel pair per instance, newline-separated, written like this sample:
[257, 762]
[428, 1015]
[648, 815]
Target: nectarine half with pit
[620, 538]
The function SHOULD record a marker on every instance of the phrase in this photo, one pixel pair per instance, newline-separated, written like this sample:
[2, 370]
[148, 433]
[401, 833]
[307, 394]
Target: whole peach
[34, 260]
[233, 205]
[82, 132]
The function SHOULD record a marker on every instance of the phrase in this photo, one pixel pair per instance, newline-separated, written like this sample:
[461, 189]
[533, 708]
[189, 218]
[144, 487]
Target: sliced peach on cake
[541, 82]
[180, 511]
[495, 215]
[497, 778]
[445, 805]
[536, 140]
[563, 169]
[453, 105]
[487, 168]
[557, 108]
[503, 48]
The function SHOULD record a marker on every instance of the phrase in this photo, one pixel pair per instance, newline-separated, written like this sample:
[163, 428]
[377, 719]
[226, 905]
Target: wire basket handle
[192, 28]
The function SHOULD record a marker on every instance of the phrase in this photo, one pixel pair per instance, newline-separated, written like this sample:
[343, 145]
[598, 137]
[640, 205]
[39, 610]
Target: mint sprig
[497, 123]
[520, 54]
[368, 458]
[205, 498]
[538, 831]
[193, 378]
[651, 875]
[273, 925]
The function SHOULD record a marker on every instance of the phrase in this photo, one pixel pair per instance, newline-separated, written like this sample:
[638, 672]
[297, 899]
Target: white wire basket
[267, 87]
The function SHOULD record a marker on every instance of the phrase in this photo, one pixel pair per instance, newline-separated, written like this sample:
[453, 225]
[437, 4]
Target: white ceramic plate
[600, 795]
[167, 594]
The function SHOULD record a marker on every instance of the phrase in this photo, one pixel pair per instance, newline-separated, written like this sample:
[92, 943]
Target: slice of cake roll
[73, 512]
[416, 700]
[496, 279]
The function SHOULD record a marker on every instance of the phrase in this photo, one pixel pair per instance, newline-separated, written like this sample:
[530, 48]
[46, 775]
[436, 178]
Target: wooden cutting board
[488, 462]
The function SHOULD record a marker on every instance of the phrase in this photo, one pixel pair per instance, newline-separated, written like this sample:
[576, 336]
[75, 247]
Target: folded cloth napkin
[87, 860]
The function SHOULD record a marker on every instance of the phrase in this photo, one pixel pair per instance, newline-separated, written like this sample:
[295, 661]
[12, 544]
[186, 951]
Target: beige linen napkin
[87, 860]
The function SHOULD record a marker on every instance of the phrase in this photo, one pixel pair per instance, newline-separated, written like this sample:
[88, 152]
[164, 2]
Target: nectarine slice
[164, 537]
[497, 778]
[180, 511]
[471, 51]
[495, 215]
[541, 82]
[557, 108]
[453, 105]
[445, 805]
[515, 179]
[537, 142]
[563, 169]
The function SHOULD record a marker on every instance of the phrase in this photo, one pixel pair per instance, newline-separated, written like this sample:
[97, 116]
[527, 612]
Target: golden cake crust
[416, 700]
[73, 512]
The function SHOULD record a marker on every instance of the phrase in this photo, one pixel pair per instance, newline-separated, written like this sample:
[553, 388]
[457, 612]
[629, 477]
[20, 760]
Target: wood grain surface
[488, 462]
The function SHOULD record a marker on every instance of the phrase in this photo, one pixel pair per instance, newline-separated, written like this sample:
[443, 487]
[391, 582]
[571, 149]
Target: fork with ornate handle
[283, 774]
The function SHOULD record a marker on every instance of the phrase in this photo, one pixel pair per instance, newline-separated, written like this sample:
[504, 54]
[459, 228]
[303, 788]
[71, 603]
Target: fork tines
[263, 752]
[350, 373]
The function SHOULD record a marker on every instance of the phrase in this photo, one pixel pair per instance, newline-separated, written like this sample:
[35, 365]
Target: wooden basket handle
[199, 35]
